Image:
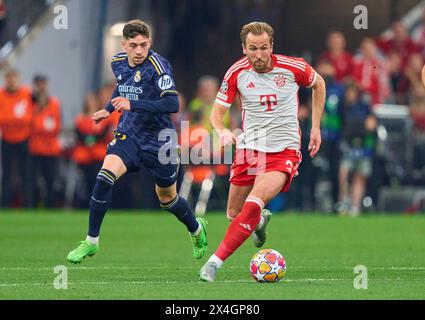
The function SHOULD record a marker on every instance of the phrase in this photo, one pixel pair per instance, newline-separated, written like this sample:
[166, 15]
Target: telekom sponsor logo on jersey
[268, 100]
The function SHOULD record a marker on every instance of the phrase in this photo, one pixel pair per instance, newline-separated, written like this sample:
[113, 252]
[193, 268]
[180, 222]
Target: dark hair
[134, 28]
[40, 78]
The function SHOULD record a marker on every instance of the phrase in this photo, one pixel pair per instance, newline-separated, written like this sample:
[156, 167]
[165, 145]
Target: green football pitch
[149, 256]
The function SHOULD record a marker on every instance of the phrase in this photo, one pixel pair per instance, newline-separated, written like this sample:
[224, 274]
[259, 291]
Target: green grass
[149, 256]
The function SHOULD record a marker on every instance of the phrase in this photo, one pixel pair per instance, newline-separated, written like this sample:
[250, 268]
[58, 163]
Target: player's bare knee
[114, 164]
[164, 198]
[165, 195]
[231, 214]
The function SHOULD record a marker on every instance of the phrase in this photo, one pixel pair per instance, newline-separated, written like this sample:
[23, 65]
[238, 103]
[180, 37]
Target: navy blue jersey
[152, 80]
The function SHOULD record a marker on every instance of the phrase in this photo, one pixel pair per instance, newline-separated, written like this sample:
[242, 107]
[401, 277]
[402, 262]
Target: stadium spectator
[182, 115]
[398, 81]
[44, 143]
[418, 34]
[200, 108]
[331, 124]
[15, 126]
[3, 14]
[399, 41]
[206, 92]
[302, 197]
[417, 111]
[412, 72]
[337, 55]
[371, 72]
[91, 145]
[423, 75]
[357, 150]
[2, 10]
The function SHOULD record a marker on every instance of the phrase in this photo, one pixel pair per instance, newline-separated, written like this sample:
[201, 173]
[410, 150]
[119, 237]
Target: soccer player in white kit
[268, 151]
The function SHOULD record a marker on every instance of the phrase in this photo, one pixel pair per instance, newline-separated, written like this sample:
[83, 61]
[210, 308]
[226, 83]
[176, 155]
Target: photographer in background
[358, 142]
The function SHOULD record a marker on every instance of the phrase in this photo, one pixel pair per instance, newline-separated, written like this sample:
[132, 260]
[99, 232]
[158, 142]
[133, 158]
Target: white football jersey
[269, 102]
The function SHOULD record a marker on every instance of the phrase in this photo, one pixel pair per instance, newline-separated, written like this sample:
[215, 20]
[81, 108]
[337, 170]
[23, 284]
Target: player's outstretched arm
[318, 104]
[217, 122]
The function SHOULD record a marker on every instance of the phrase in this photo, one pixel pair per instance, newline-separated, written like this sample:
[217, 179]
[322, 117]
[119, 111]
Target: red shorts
[248, 164]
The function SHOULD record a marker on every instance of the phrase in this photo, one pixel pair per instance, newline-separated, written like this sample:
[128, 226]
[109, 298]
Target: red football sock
[241, 227]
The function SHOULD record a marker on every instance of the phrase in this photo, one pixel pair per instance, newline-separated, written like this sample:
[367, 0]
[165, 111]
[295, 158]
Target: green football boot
[259, 236]
[85, 248]
[199, 242]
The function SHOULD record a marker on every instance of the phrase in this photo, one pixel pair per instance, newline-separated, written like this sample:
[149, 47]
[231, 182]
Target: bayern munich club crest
[280, 80]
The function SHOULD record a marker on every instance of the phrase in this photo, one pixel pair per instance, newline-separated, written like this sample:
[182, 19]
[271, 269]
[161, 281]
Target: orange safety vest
[46, 126]
[15, 115]
[84, 153]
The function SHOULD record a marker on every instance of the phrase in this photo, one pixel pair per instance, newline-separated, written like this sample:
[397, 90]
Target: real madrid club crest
[138, 76]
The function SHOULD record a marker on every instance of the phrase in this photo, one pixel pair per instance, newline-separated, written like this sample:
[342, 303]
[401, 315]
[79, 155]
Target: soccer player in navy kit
[146, 94]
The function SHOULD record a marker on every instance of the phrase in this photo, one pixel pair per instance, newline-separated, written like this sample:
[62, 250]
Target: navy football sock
[180, 208]
[100, 200]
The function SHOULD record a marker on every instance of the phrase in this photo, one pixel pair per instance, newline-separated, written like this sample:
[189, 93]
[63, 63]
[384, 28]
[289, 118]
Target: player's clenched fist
[121, 104]
[100, 115]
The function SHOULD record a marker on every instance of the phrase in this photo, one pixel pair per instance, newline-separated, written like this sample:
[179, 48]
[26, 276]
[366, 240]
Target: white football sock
[216, 259]
[92, 240]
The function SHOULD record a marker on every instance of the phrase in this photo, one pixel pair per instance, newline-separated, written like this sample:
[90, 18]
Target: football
[267, 265]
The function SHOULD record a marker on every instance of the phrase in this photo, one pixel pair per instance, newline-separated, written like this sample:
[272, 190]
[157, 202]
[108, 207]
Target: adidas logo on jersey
[250, 85]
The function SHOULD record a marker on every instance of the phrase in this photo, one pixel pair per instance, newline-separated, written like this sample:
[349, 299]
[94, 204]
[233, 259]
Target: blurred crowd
[37, 165]
[386, 70]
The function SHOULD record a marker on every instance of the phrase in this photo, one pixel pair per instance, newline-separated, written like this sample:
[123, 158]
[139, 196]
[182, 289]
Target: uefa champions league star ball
[268, 265]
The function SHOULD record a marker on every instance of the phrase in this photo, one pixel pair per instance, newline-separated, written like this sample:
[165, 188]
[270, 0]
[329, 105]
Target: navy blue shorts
[165, 175]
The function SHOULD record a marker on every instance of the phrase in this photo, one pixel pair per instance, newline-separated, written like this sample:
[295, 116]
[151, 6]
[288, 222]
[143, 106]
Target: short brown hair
[134, 28]
[12, 73]
[256, 28]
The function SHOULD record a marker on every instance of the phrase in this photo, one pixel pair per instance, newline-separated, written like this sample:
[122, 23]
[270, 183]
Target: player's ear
[123, 42]
[243, 49]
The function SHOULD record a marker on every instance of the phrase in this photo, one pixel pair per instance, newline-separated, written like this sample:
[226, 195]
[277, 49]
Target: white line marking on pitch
[184, 282]
[229, 267]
